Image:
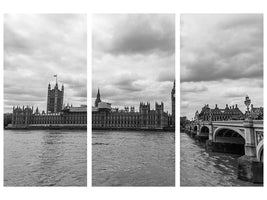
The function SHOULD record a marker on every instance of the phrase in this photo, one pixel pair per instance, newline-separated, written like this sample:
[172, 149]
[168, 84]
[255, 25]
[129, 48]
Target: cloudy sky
[133, 58]
[35, 48]
[221, 61]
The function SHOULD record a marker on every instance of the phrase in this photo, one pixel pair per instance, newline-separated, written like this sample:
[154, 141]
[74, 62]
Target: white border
[124, 6]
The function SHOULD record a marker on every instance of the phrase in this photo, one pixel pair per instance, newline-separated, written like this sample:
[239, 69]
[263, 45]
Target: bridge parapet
[250, 165]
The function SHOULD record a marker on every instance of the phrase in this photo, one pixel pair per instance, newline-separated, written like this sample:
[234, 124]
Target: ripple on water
[45, 158]
[133, 158]
[201, 168]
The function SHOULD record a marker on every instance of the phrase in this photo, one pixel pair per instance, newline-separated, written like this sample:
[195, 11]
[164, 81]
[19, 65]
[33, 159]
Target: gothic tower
[55, 99]
[173, 99]
[98, 100]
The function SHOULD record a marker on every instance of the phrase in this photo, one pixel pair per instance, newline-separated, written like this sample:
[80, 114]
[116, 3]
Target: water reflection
[45, 158]
[201, 168]
[129, 158]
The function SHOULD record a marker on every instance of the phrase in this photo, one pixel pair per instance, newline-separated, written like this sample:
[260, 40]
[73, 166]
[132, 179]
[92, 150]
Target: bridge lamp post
[247, 103]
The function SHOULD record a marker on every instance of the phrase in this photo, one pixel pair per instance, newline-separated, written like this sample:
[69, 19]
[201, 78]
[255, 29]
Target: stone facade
[256, 112]
[56, 116]
[217, 114]
[103, 116]
[25, 117]
[55, 99]
[70, 116]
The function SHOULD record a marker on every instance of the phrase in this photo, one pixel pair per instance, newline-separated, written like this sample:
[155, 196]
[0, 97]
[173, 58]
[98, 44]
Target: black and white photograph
[221, 100]
[45, 100]
[133, 100]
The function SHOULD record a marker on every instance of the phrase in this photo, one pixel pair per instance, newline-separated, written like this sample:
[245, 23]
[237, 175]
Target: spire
[98, 94]
[98, 100]
[37, 111]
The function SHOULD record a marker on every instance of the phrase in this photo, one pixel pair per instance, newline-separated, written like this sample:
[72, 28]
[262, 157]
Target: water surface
[133, 158]
[202, 168]
[45, 158]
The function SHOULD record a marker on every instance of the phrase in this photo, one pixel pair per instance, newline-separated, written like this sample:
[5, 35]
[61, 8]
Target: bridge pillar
[249, 168]
[198, 129]
[210, 132]
[250, 146]
[210, 140]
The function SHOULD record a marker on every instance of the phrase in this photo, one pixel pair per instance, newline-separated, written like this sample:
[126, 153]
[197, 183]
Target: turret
[37, 111]
[98, 100]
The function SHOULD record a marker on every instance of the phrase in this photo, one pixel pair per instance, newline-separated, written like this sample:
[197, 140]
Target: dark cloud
[127, 82]
[233, 49]
[38, 46]
[221, 60]
[139, 34]
[133, 58]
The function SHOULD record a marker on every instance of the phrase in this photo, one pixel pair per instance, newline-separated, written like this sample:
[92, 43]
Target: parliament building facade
[56, 116]
[106, 117]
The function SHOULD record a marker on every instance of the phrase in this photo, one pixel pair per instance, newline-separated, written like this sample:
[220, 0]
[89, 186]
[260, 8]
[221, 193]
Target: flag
[55, 75]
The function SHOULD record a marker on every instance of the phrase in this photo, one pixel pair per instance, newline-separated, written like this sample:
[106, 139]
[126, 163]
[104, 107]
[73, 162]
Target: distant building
[57, 116]
[71, 117]
[7, 119]
[106, 117]
[183, 122]
[55, 99]
[217, 114]
[256, 112]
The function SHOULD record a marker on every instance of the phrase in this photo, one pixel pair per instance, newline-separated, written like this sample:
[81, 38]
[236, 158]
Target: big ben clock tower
[173, 99]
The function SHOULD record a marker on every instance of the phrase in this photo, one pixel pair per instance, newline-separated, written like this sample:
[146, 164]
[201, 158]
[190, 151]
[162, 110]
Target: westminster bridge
[244, 137]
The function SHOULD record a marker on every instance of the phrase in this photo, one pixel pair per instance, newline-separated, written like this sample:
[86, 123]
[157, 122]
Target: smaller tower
[173, 99]
[98, 100]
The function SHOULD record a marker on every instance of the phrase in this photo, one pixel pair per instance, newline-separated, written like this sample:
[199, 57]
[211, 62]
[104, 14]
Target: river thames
[45, 158]
[133, 158]
[202, 168]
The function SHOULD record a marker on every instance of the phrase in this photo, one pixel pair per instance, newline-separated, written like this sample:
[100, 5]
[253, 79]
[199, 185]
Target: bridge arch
[259, 151]
[229, 140]
[220, 129]
[204, 131]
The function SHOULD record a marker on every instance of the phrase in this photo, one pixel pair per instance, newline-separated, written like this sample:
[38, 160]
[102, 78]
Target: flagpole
[56, 77]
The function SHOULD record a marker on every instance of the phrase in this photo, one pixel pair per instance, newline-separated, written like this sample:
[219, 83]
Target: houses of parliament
[106, 117]
[57, 115]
